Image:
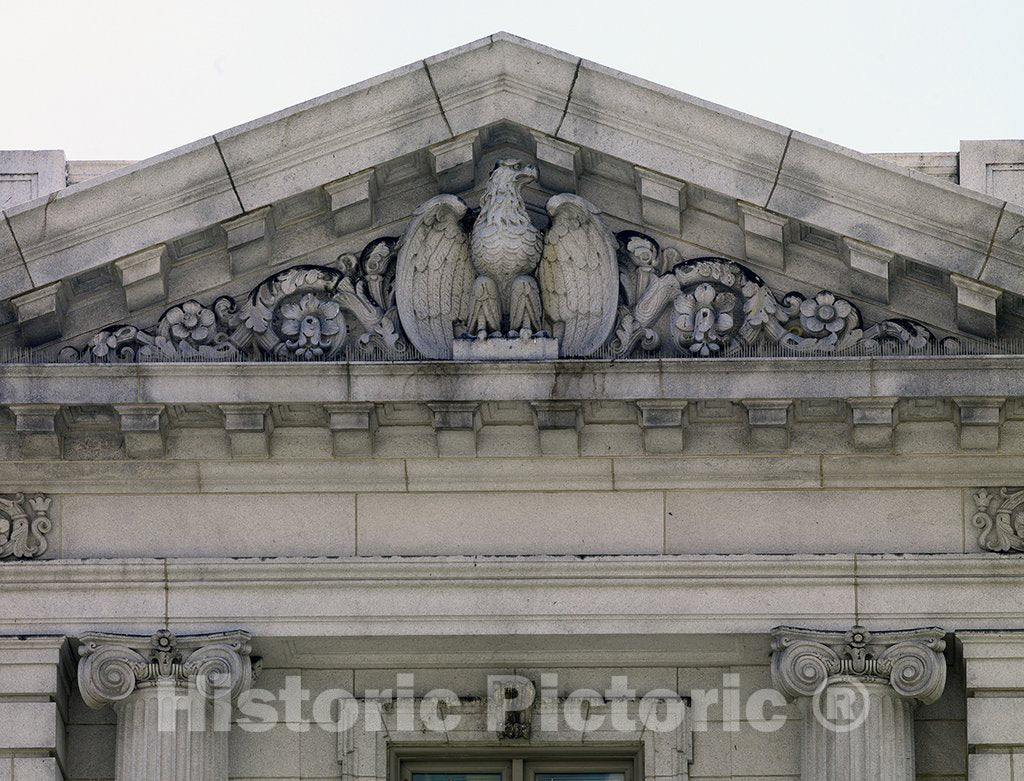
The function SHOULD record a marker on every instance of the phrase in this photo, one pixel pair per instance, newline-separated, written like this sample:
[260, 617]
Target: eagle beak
[529, 173]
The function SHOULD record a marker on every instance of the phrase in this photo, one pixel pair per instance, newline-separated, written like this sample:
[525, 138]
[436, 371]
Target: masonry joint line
[568, 97]
[231, 179]
[778, 171]
[437, 97]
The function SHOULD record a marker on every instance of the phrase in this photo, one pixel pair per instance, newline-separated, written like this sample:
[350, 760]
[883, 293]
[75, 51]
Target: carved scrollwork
[24, 524]
[718, 307]
[301, 313]
[112, 667]
[911, 661]
[1000, 517]
[700, 308]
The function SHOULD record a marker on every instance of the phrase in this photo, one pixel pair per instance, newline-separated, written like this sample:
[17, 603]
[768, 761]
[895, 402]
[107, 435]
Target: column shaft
[153, 749]
[879, 748]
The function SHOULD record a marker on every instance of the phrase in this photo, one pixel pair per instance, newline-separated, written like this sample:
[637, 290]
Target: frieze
[24, 524]
[462, 276]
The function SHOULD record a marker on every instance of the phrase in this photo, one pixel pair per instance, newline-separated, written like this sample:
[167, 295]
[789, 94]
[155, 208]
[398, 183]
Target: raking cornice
[507, 78]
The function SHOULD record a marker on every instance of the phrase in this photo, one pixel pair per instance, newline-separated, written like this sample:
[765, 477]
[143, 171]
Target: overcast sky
[132, 79]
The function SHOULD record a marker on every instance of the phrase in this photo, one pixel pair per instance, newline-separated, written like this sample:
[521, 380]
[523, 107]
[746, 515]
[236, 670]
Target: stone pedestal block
[662, 200]
[351, 201]
[352, 425]
[870, 269]
[249, 240]
[143, 276]
[764, 235]
[558, 427]
[873, 421]
[980, 422]
[456, 425]
[662, 423]
[558, 164]
[41, 313]
[454, 162]
[976, 306]
[249, 427]
[768, 421]
[144, 428]
[40, 429]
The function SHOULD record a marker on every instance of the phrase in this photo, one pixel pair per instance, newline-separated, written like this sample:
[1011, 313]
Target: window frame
[517, 763]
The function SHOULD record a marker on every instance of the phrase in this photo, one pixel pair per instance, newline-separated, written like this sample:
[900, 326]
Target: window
[506, 764]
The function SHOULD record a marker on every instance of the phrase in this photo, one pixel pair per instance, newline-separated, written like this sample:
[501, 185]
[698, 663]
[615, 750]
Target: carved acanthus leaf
[301, 313]
[24, 524]
[705, 307]
[1000, 517]
[718, 307]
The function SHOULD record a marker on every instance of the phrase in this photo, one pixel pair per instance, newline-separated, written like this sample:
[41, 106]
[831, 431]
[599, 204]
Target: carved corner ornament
[1000, 517]
[112, 667]
[24, 524]
[910, 661]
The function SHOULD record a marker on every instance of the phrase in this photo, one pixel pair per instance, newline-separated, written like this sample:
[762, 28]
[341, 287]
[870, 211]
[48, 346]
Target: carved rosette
[24, 524]
[113, 667]
[1000, 517]
[911, 662]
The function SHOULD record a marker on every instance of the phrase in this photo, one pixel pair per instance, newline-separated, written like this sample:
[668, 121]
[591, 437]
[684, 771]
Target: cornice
[685, 379]
[188, 189]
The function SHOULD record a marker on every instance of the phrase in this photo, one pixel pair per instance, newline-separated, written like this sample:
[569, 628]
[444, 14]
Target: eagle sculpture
[499, 276]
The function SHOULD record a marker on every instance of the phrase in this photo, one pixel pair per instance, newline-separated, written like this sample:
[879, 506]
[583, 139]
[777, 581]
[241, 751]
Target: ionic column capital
[113, 667]
[909, 661]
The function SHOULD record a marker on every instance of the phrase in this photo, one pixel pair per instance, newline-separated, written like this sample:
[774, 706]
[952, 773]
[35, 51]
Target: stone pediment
[719, 233]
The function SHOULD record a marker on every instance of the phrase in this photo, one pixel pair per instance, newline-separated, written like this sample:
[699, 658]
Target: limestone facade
[509, 418]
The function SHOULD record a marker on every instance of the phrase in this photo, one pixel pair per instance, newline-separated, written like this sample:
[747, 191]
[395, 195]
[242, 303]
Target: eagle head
[510, 171]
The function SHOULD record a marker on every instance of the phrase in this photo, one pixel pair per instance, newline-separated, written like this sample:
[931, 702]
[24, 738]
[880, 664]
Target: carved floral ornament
[490, 274]
[24, 524]
[1000, 517]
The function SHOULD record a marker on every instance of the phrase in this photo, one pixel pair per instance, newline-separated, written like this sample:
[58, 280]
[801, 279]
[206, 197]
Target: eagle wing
[434, 275]
[579, 276]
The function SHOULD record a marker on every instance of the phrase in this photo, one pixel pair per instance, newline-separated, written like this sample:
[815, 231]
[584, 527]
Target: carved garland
[24, 524]
[706, 307]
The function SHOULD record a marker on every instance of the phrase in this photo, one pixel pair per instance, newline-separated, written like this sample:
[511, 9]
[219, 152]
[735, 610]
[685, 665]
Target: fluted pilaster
[172, 697]
[857, 691]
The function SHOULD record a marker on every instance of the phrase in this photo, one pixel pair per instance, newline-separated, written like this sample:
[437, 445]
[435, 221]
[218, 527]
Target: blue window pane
[581, 777]
[456, 777]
